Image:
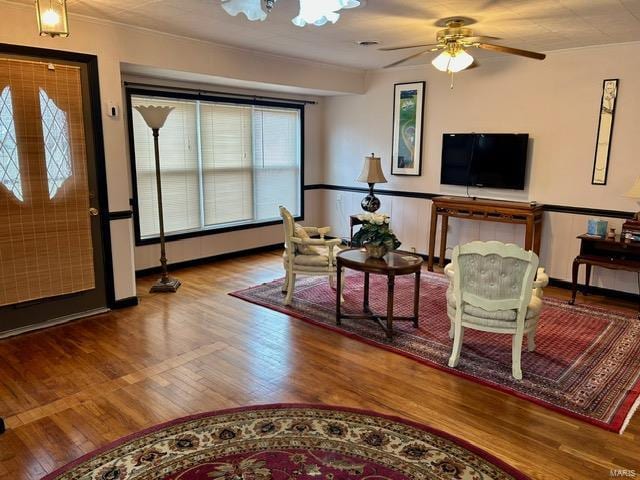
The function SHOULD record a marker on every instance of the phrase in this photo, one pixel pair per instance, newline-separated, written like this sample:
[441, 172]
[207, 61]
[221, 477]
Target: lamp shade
[319, 12]
[452, 63]
[634, 191]
[372, 171]
[154, 116]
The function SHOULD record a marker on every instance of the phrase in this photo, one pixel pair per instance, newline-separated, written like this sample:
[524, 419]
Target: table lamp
[634, 192]
[371, 174]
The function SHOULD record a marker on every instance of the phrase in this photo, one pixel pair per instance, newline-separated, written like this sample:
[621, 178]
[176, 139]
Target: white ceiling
[541, 25]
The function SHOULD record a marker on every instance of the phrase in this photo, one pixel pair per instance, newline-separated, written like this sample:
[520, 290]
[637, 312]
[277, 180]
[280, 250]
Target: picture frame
[606, 119]
[408, 118]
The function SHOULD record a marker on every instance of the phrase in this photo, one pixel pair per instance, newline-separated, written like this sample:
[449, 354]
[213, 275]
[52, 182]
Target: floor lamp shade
[371, 174]
[155, 117]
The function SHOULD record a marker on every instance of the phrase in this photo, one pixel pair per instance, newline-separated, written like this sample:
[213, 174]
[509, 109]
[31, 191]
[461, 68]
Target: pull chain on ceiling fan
[453, 42]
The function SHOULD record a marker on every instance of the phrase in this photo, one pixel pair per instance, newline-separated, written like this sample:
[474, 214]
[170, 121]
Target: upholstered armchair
[306, 255]
[495, 287]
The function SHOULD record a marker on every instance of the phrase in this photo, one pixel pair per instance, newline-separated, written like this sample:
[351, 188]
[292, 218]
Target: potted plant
[375, 235]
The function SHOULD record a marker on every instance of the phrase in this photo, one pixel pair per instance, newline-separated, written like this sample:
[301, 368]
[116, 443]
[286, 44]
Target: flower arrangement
[375, 232]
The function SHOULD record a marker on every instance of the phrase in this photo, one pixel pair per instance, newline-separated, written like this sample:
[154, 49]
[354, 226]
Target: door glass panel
[55, 131]
[9, 160]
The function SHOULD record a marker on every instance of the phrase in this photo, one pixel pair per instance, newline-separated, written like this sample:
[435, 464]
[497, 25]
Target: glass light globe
[50, 18]
[446, 62]
[251, 8]
[319, 12]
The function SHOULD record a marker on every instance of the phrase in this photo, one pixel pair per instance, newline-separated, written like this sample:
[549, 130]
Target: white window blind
[179, 168]
[222, 164]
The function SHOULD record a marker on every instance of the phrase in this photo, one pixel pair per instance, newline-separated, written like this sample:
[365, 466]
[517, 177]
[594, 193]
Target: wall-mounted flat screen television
[492, 160]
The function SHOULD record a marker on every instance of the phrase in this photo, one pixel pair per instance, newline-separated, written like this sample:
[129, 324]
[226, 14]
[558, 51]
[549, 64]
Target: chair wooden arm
[448, 271]
[322, 231]
[320, 242]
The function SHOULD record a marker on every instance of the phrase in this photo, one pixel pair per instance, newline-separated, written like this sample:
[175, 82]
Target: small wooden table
[391, 265]
[613, 253]
[528, 214]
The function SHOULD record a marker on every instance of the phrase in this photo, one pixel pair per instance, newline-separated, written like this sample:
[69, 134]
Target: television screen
[494, 160]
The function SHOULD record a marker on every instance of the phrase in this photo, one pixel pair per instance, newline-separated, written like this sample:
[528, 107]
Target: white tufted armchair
[305, 255]
[493, 288]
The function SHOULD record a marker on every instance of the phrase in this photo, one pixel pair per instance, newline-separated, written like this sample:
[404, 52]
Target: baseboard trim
[124, 303]
[214, 258]
[605, 292]
[53, 322]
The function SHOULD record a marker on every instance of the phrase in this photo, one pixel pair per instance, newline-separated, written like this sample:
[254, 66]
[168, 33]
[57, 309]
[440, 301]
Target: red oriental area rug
[283, 442]
[586, 365]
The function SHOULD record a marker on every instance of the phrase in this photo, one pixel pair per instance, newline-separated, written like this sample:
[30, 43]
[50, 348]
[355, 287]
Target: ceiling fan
[453, 42]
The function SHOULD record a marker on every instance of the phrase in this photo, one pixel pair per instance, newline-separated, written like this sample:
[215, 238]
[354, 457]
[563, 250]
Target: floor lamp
[155, 118]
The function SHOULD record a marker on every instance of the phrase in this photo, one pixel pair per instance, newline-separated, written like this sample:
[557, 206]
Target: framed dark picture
[408, 114]
[605, 128]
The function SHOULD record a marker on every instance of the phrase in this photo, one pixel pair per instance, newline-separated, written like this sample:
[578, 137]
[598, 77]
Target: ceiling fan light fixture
[452, 62]
[251, 8]
[320, 12]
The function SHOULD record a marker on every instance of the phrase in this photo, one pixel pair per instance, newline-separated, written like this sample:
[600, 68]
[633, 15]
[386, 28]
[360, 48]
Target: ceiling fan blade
[479, 39]
[514, 51]
[390, 49]
[406, 59]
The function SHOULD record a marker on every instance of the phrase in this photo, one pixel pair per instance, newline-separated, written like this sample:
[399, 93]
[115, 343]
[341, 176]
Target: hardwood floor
[70, 389]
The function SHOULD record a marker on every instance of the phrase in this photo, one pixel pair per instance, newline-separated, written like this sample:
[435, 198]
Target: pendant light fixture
[315, 12]
[52, 18]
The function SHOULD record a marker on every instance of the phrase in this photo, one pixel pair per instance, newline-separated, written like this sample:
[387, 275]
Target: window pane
[276, 161]
[226, 163]
[9, 159]
[178, 166]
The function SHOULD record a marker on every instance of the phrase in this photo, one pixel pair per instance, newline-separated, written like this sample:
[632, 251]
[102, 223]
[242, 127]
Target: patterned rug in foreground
[586, 365]
[282, 442]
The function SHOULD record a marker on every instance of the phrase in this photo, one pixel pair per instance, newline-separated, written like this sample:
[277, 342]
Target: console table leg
[391, 280]
[338, 291]
[443, 239]
[416, 300]
[574, 284]
[365, 301]
[587, 278]
[432, 236]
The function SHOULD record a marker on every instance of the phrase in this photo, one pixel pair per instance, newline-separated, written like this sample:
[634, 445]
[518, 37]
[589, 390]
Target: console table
[525, 213]
[613, 253]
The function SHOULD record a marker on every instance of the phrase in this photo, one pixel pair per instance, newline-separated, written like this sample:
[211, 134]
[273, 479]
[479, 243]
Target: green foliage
[376, 233]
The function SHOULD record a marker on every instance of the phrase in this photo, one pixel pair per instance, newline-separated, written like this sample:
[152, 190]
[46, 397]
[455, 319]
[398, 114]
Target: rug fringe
[627, 419]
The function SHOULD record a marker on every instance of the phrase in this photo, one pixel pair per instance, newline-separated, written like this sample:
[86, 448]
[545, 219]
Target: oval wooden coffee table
[392, 264]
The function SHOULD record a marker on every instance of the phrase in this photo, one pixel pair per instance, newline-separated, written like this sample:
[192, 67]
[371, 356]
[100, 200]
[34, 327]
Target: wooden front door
[51, 252]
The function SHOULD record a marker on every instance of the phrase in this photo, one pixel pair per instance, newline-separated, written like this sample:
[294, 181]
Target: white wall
[116, 44]
[556, 101]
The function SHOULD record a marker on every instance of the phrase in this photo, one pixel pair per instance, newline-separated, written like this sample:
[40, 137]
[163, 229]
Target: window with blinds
[222, 164]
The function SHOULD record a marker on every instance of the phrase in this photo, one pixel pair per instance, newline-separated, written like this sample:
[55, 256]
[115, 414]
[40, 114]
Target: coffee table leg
[416, 300]
[391, 280]
[338, 290]
[365, 303]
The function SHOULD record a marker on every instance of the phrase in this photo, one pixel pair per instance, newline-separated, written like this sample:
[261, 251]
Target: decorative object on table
[597, 227]
[408, 113]
[560, 375]
[375, 235]
[314, 12]
[494, 289]
[392, 266]
[612, 233]
[290, 441]
[371, 174]
[305, 255]
[453, 41]
[605, 128]
[155, 118]
[52, 18]
[634, 192]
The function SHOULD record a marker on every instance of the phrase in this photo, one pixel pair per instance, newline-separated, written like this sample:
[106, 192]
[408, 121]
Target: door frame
[91, 62]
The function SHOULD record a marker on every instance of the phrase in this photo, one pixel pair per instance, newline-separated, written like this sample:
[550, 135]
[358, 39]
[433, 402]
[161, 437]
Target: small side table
[392, 264]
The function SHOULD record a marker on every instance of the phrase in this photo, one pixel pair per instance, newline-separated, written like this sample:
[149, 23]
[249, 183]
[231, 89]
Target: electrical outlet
[339, 198]
[413, 249]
